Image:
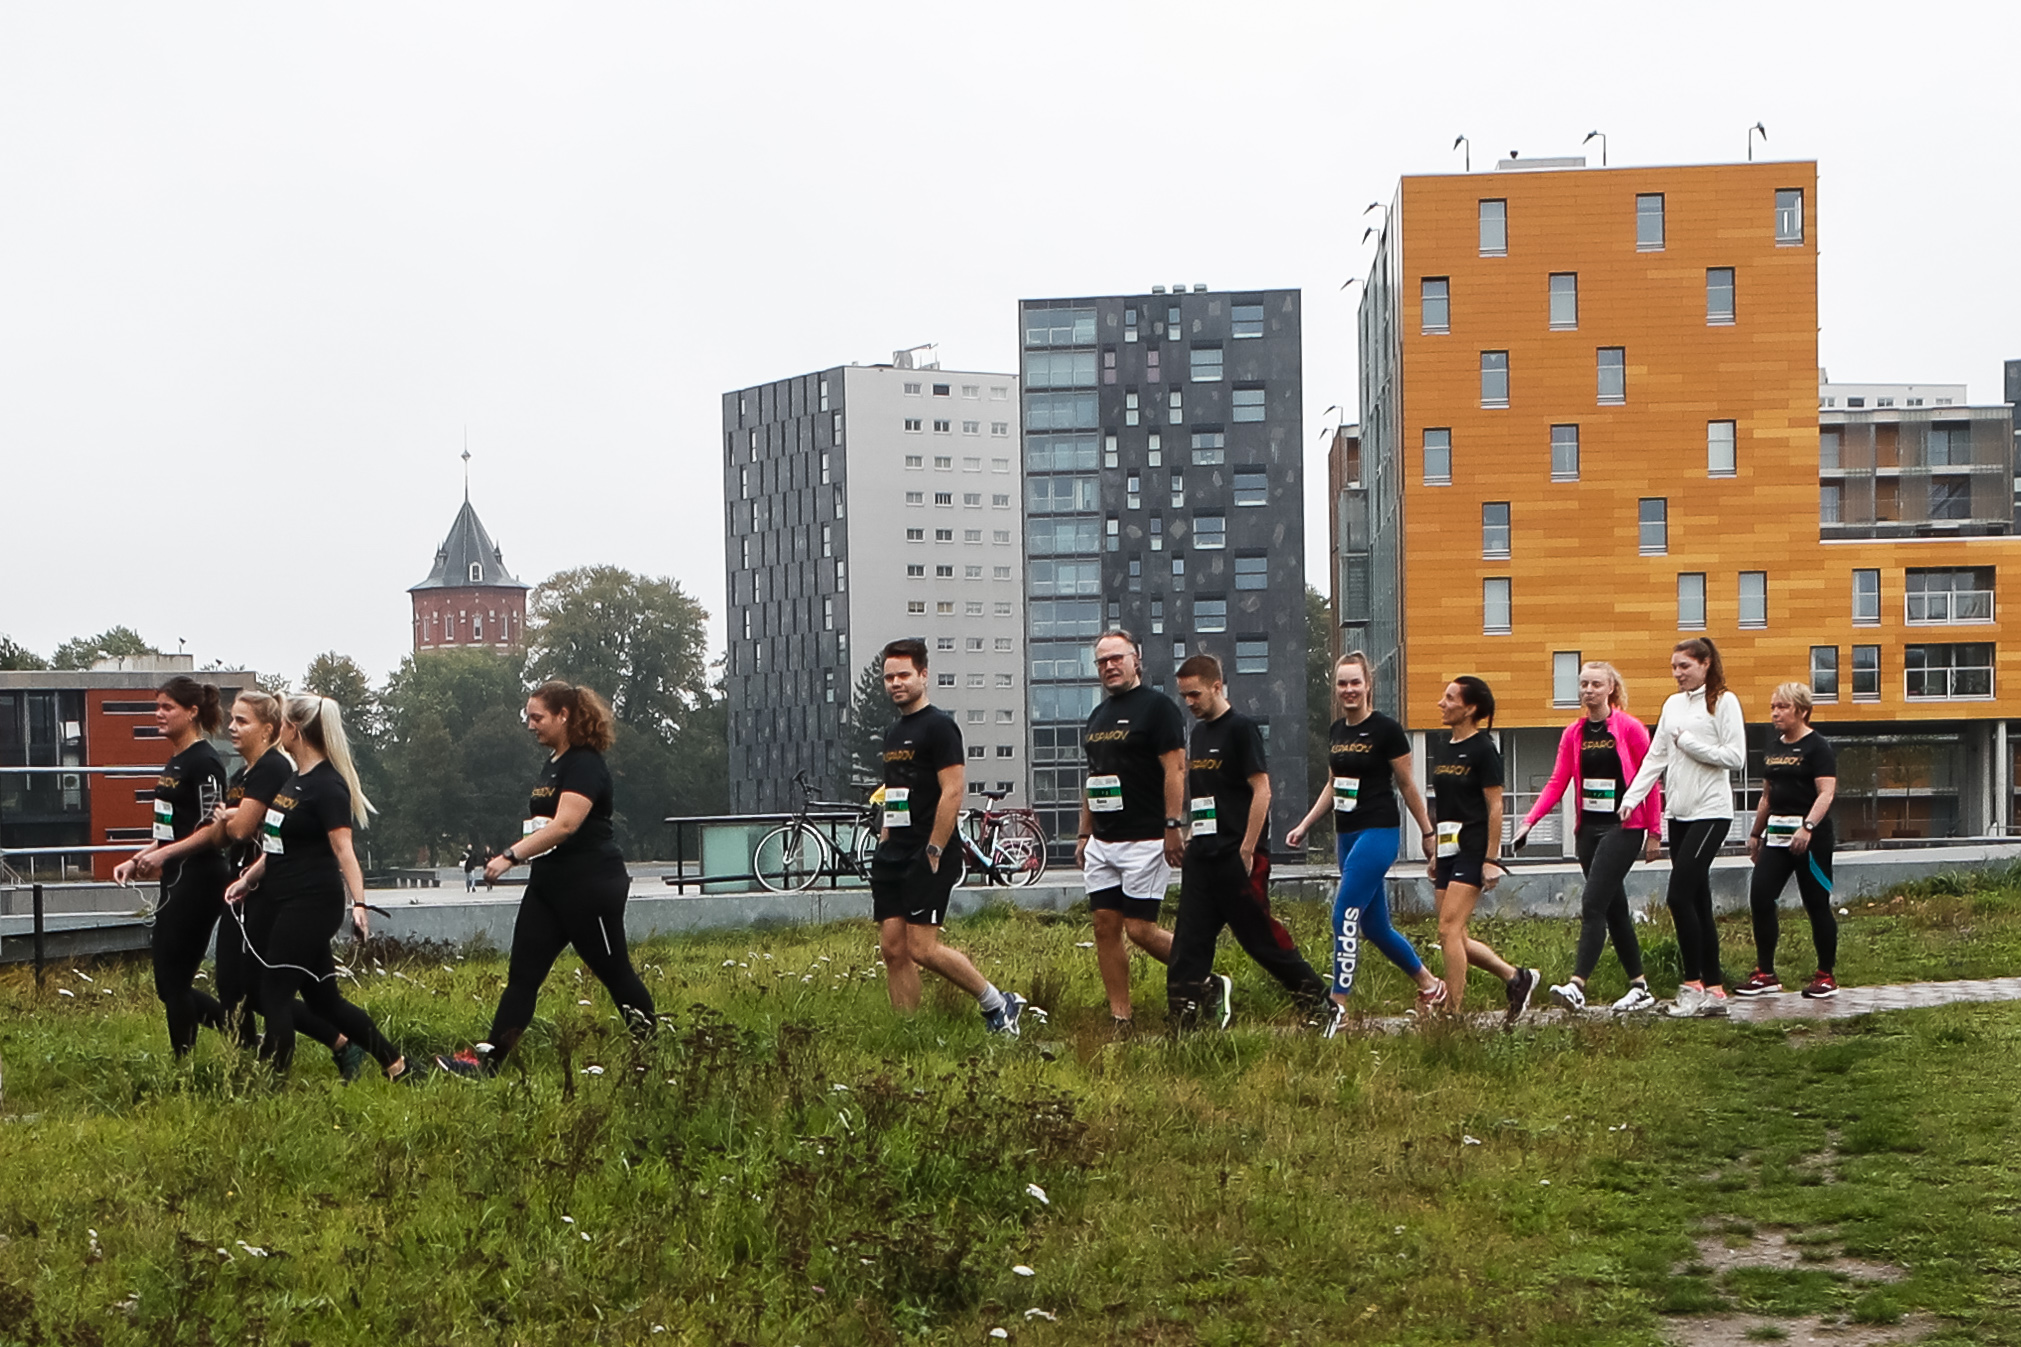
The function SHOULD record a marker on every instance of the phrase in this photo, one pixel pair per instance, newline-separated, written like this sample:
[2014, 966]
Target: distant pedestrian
[472, 862]
[1793, 838]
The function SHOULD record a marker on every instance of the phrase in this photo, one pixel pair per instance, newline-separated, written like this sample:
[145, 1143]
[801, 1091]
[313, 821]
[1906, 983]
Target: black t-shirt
[916, 750]
[1359, 757]
[1125, 737]
[1599, 761]
[1789, 772]
[188, 788]
[259, 783]
[1461, 774]
[295, 834]
[578, 771]
[1225, 753]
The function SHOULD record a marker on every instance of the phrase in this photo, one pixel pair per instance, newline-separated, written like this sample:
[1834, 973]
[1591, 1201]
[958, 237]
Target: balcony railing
[1950, 605]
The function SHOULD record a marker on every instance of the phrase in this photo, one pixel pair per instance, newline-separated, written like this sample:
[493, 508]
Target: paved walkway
[1853, 1001]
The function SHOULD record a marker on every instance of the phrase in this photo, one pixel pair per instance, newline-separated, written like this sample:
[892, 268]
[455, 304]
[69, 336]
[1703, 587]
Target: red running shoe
[1760, 984]
[1821, 987]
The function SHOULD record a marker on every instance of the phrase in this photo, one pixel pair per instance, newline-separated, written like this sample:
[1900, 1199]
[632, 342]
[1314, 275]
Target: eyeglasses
[1100, 660]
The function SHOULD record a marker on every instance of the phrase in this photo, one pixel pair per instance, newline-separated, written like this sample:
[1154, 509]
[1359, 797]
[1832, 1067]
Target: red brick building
[469, 599]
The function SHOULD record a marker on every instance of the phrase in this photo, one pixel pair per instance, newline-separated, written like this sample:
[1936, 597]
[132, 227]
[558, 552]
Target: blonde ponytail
[318, 720]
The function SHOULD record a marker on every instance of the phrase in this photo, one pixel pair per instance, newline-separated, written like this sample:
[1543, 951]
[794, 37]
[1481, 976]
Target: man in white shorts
[1131, 812]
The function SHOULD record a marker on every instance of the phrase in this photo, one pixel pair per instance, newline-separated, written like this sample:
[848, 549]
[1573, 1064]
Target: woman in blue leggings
[1370, 757]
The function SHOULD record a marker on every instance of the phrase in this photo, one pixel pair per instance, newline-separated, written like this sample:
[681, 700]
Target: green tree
[81, 652]
[1319, 715]
[454, 756]
[339, 678]
[641, 642]
[869, 716]
[16, 656]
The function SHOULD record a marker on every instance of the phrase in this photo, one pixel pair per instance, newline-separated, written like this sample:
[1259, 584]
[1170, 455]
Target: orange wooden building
[1590, 427]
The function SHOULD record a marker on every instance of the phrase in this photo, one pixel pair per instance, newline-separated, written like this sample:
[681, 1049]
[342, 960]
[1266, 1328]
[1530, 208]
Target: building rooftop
[469, 557]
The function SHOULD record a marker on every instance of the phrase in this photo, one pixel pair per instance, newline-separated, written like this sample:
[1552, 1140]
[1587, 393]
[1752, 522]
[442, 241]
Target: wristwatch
[1809, 827]
[1175, 823]
[934, 851]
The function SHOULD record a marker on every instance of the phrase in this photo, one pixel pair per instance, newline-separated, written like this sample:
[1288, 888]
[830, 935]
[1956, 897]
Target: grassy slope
[787, 1163]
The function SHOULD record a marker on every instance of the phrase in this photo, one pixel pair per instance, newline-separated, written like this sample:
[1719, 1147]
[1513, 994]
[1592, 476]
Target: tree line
[442, 750]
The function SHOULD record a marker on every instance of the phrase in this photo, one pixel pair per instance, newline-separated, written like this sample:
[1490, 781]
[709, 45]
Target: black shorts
[1115, 900]
[1466, 868]
[902, 884]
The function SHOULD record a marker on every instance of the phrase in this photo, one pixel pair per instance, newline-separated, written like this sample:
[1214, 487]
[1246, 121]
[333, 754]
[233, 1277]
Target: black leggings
[298, 963]
[1813, 872]
[1606, 853]
[240, 974]
[1215, 891]
[1693, 845]
[581, 905]
[192, 897]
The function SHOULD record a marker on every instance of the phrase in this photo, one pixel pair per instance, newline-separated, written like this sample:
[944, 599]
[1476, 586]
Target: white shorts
[1137, 868]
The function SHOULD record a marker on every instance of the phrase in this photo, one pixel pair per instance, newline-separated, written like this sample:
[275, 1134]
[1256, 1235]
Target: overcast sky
[260, 265]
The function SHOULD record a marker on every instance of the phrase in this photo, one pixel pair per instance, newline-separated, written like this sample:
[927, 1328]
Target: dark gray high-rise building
[1164, 481]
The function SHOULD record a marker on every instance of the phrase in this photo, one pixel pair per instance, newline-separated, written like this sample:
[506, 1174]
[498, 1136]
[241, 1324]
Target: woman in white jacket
[1700, 741]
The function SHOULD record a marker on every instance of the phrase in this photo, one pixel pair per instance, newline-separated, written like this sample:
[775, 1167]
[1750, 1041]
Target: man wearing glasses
[1131, 811]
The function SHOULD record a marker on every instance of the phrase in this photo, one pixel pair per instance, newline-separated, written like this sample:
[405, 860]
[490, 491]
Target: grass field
[788, 1163]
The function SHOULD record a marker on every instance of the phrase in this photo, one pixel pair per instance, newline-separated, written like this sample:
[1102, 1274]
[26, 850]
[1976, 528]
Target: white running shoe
[1227, 998]
[1570, 995]
[1687, 1004]
[1713, 1007]
[1635, 1002]
[1337, 1024]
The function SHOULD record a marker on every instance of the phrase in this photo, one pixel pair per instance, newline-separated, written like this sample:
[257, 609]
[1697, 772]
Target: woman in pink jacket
[1598, 756]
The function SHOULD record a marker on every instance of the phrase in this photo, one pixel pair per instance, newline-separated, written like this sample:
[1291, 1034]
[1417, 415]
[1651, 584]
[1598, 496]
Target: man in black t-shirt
[1130, 835]
[1225, 877]
[912, 874]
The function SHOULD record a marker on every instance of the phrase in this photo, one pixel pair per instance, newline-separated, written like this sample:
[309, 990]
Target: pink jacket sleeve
[1563, 773]
[1631, 738]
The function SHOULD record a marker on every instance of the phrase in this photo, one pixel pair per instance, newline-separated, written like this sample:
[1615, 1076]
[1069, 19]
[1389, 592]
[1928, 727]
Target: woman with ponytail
[306, 869]
[576, 892]
[183, 854]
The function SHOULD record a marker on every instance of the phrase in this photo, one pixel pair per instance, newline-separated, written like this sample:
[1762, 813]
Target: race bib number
[1782, 827]
[531, 826]
[1449, 839]
[897, 807]
[1597, 797]
[1105, 794]
[270, 833]
[164, 821]
[1205, 824]
[1346, 794]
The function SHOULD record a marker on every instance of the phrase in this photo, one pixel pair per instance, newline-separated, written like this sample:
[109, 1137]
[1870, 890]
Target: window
[1649, 222]
[915, 570]
[913, 390]
[971, 572]
[1108, 451]
[999, 428]
[1206, 367]
[476, 627]
[1691, 601]
[1654, 518]
[917, 606]
[941, 427]
[1495, 528]
[1495, 604]
[1209, 447]
[943, 498]
[1867, 597]
[1564, 678]
[999, 572]
[944, 608]
[1157, 532]
[1004, 680]
[1056, 327]
[1824, 673]
[1948, 671]
[1719, 295]
[1062, 495]
[1210, 531]
[943, 572]
[999, 465]
[943, 462]
[942, 390]
[1719, 449]
[1175, 406]
[971, 500]
[1564, 453]
[971, 428]
[1494, 378]
[913, 425]
[1178, 489]
[1938, 596]
[1949, 445]
[975, 644]
[1754, 598]
[971, 465]
[1438, 446]
[1245, 405]
[1000, 392]
[1789, 215]
[1612, 377]
[999, 500]
[915, 535]
[1252, 655]
[1866, 673]
[1950, 498]
[824, 468]
[1435, 295]
[1564, 300]
[915, 460]
[1060, 369]
[1829, 508]
[1252, 486]
[1003, 645]
[977, 750]
[1246, 321]
[1494, 228]
[1252, 572]
[1210, 615]
[1153, 449]
[827, 541]
[971, 536]
[999, 536]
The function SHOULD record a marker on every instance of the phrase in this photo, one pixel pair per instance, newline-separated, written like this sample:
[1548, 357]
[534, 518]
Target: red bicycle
[1002, 846]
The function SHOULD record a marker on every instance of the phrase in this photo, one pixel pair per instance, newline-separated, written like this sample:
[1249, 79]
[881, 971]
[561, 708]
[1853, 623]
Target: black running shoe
[350, 1060]
[1520, 987]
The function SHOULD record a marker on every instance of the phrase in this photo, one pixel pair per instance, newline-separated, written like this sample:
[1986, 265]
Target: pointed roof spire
[466, 465]
[469, 557]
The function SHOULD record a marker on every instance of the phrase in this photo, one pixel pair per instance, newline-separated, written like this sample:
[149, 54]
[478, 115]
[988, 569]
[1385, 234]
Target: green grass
[787, 1162]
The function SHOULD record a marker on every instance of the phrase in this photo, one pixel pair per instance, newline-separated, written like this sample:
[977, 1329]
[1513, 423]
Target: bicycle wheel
[789, 858]
[866, 841]
[1019, 851]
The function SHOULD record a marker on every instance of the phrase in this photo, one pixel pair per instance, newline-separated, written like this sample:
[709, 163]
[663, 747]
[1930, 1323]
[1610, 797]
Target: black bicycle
[796, 853]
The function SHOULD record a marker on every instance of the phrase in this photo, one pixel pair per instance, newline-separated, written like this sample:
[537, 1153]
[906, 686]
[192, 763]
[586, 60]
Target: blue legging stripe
[1817, 871]
[1361, 907]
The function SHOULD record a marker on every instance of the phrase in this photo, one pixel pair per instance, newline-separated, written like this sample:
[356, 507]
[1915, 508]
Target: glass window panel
[1494, 378]
[1494, 228]
[1438, 453]
[1435, 292]
[1719, 449]
[1691, 601]
[1564, 453]
[1495, 605]
[1564, 300]
[1649, 221]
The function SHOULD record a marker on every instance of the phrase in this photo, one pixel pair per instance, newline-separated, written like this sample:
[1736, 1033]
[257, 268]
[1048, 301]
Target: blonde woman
[306, 869]
[1792, 837]
[1598, 755]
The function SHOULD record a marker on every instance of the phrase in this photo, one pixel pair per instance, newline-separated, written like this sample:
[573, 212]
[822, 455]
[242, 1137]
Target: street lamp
[1469, 159]
[1603, 145]
[1750, 139]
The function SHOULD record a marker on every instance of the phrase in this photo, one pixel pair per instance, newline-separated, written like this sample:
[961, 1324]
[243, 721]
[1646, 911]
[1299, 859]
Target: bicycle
[793, 855]
[1002, 846]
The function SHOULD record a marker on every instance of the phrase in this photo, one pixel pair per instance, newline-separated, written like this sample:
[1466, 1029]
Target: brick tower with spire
[469, 599]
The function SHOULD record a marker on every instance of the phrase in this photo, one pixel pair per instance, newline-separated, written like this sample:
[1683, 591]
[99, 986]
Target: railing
[825, 813]
[1950, 605]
